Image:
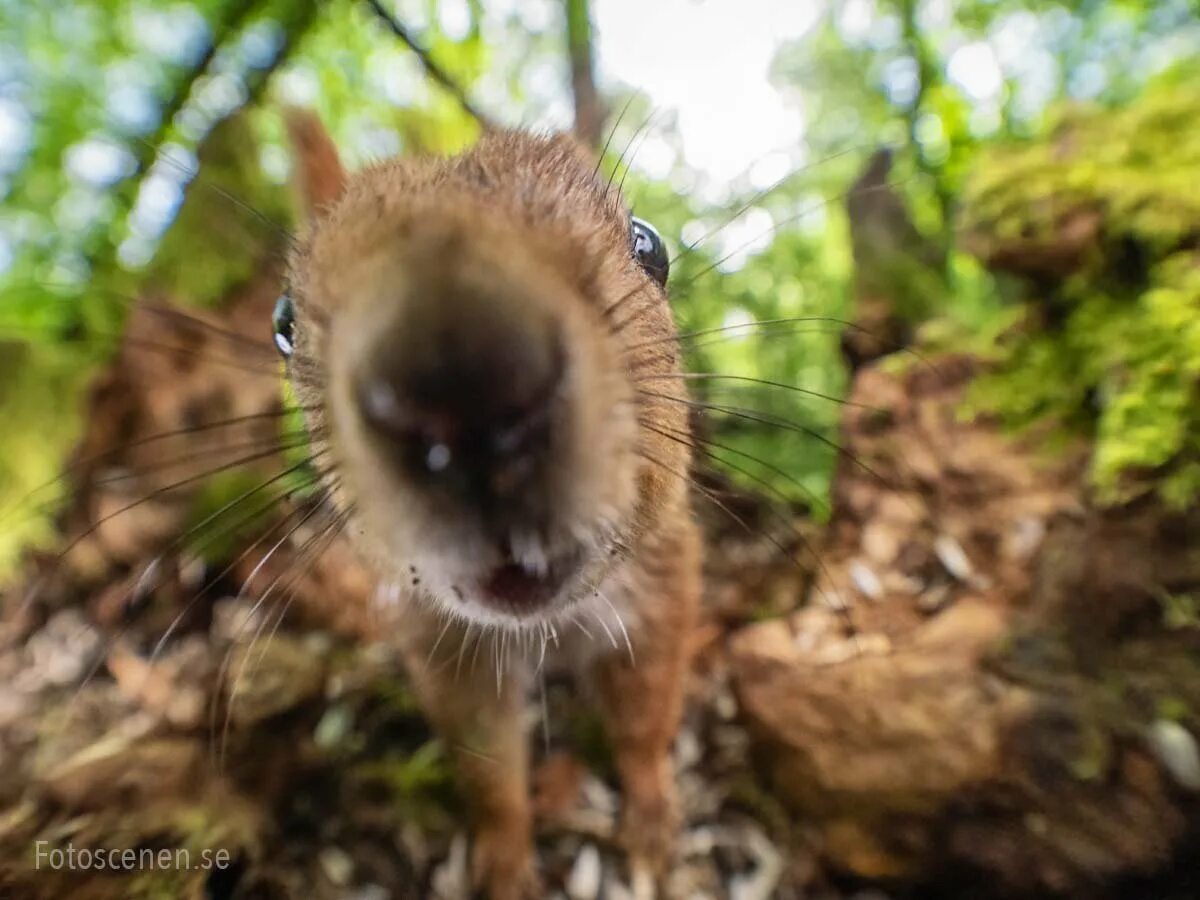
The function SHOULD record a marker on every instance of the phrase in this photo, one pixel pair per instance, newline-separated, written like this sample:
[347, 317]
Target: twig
[431, 67]
[304, 13]
[590, 112]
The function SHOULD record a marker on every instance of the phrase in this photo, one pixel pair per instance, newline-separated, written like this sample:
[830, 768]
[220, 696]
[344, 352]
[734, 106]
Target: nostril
[425, 438]
[381, 405]
[527, 420]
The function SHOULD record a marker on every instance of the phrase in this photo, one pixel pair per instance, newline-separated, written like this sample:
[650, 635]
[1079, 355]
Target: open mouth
[520, 590]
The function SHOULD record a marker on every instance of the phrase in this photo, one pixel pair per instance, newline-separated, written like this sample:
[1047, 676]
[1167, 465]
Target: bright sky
[708, 60]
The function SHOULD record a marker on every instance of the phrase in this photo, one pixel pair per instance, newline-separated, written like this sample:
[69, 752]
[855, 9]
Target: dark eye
[649, 249]
[283, 320]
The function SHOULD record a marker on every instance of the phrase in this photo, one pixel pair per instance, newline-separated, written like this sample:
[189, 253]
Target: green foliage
[799, 274]
[120, 79]
[419, 785]
[1120, 357]
[40, 388]
[1180, 610]
[210, 248]
[147, 83]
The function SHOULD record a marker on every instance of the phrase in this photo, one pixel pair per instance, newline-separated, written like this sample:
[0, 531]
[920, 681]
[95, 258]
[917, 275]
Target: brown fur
[528, 217]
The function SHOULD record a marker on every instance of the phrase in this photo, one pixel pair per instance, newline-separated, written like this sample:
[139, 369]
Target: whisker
[330, 534]
[545, 709]
[712, 498]
[478, 647]
[604, 625]
[581, 627]
[783, 498]
[763, 194]
[675, 434]
[608, 311]
[129, 341]
[611, 134]
[282, 443]
[790, 220]
[228, 658]
[462, 648]
[62, 293]
[193, 174]
[101, 455]
[175, 546]
[620, 625]
[628, 146]
[774, 331]
[72, 544]
[739, 326]
[645, 131]
[437, 643]
[238, 560]
[752, 415]
[716, 376]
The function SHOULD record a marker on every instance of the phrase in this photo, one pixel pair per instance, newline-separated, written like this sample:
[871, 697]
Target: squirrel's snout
[461, 392]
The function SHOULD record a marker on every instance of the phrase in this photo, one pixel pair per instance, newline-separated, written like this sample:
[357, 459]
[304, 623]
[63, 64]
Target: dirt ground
[967, 684]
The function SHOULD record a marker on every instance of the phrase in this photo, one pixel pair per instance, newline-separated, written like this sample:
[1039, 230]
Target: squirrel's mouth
[522, 590]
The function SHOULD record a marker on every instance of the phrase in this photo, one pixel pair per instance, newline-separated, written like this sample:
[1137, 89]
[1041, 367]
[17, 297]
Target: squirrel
[466, 336]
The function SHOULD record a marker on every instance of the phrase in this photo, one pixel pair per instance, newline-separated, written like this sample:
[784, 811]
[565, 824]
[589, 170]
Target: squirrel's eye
[283, 320]
[649, 249]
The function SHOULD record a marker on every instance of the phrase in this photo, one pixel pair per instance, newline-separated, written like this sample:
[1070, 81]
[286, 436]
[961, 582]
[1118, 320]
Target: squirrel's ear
[318, 173]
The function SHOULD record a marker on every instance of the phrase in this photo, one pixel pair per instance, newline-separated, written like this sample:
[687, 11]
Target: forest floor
[975, 686]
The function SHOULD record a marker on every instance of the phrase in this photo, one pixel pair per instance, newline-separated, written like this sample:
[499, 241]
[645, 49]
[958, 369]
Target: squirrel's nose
[461, 392]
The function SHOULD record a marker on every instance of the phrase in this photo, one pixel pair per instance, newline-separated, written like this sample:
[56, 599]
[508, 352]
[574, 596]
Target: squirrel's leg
[642, 696]
[478, 710]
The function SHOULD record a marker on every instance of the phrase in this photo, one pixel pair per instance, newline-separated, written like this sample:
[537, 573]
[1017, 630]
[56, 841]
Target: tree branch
[429, 64]
[927, 76]
[100, 251]
[590, 111]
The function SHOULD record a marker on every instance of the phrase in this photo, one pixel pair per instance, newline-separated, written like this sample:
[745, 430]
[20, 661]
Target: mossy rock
[1101, 220]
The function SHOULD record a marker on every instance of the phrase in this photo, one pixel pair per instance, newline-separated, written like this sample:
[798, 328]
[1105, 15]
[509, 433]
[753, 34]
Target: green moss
[1173, 709]
[1180, 610]
[1113, 349]
[228, 507]
[41, 389]
[1094, 758]
[1135, 165]
[419, 785]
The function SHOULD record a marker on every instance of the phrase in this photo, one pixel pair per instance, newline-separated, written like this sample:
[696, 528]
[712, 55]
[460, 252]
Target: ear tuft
[319, 177]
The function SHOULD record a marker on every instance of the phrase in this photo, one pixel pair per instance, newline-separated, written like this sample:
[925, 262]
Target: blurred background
[980, 222]
[765, 110]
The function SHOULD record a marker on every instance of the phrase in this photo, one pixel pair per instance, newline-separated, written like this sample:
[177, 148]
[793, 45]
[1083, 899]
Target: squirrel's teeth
[528, 553]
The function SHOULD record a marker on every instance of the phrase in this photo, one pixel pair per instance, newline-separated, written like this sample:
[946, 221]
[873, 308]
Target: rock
[761, 881]
[935, 599]
[173, 686]
[725, 704]
[1175, 748]
[266, 677]
[988, 735]
[865, 580]
[893, 731]
[688, 750]
[337, 865]
[121, 767]
[451, 880]
[584, 881]
[62, 652]
[615, 889]
[952, 556]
